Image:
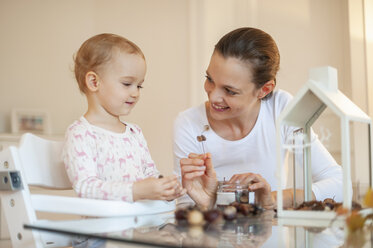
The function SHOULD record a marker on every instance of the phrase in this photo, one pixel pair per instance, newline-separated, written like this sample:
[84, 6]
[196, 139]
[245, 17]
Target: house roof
[319, 92]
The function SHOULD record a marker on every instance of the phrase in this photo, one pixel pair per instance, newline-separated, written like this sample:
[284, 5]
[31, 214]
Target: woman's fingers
[191, 161]
[242, 178]
[192, 168]
[195, 155]
[258, 185]
[210, 171]
[254, 181]
[191, 175]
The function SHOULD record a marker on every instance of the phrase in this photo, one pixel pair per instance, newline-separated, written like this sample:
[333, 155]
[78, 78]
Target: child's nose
[135, 93]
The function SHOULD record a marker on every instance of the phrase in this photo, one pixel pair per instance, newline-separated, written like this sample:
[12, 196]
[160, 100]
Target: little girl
[106, 158]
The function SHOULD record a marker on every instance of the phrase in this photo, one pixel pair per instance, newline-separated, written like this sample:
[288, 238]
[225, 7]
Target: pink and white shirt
[104, 165]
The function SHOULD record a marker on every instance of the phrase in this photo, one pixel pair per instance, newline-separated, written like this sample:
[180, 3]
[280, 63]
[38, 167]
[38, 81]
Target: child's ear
[91, 81]
[266, 89]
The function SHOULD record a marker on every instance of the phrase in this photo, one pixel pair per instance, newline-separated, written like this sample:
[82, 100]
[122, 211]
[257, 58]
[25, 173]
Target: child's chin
[126, 111]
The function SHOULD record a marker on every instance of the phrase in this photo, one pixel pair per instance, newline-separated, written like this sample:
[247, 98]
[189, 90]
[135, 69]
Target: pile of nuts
[194, 216]
[327, 205]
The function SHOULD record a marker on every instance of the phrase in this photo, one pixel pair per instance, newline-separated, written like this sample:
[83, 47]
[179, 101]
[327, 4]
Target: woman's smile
[218, 108]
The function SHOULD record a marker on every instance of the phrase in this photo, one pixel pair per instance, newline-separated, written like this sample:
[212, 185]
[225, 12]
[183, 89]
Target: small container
[231, 192]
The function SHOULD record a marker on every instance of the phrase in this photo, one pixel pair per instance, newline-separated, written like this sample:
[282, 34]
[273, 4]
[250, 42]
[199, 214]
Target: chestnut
[181, 214]
[195, 217]
[356, 206]
[245, 209]
[230, 213]
[244, 198]
[212, 215]
[235, 204]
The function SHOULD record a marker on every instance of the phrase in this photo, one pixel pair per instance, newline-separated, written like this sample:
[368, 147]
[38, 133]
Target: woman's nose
[213, 93]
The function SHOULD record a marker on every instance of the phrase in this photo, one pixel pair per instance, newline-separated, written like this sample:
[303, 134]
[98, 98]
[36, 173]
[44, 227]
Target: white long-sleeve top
[255, 153]
[104, 165]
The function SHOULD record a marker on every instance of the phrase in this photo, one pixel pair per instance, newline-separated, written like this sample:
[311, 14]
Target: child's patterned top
[104, 165]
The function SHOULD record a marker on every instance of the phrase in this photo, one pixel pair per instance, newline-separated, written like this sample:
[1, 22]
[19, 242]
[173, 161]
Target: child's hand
[166, 188]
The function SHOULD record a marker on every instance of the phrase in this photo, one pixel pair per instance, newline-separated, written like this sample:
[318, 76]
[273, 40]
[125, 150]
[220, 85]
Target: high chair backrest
[38, 162]
[44, 162]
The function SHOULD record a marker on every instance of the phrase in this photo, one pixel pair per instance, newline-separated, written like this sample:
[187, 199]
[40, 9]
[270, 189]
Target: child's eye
[208, 78]
[126, 84]
[140, 86]
[230, 92]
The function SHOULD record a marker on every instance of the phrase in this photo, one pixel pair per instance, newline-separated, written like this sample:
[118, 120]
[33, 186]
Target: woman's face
[230, 89]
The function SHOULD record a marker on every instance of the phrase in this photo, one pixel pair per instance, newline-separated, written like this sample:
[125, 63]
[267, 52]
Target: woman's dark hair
[255, 47]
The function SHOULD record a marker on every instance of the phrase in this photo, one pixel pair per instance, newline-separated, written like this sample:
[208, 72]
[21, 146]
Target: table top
[162, 230]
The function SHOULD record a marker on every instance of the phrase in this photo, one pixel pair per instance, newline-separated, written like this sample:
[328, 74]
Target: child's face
[120, 83]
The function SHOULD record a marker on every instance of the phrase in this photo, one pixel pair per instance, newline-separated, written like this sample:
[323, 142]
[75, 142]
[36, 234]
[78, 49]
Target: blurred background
[40, 37]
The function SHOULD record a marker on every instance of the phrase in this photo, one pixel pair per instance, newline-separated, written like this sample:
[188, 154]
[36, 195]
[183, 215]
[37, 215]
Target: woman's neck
[235, 128]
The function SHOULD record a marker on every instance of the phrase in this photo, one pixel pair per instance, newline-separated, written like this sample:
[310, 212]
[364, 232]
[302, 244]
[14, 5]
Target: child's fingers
[173, 194]
[170, 184]
[167, 179]
[168, 192]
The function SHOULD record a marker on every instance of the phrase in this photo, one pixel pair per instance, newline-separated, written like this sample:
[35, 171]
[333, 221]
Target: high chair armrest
[98, 208]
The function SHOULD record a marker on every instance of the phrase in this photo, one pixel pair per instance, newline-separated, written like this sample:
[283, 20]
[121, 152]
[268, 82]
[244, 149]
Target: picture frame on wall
[30, 120]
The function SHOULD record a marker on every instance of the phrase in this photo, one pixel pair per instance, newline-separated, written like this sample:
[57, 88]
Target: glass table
[161, 230]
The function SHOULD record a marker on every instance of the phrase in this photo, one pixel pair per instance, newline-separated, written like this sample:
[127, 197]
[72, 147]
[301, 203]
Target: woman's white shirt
[255, 153]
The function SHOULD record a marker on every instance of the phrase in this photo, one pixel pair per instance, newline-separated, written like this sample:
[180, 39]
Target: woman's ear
[91, 81]
[266, 89]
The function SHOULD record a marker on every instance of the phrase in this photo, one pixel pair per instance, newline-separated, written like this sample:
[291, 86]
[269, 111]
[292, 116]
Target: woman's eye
[230, 92]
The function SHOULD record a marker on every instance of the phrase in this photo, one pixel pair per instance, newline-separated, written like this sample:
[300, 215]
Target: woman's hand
[199, 179]
[166, 188]
[259, 185]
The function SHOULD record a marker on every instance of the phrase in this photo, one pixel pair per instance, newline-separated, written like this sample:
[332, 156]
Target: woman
[238, 126]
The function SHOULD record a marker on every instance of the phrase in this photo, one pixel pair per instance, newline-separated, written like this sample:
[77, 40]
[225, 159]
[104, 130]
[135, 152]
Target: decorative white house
[321, 91]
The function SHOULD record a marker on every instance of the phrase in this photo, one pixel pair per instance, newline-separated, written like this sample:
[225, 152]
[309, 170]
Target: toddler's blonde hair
[95, 52]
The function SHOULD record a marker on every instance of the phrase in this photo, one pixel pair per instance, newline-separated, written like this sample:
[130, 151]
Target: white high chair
[38, 162]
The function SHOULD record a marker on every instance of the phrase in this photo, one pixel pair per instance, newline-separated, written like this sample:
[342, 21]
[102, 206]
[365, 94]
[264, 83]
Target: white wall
[39, 37]
[309, 33]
